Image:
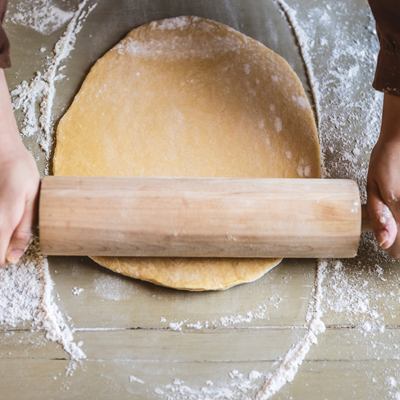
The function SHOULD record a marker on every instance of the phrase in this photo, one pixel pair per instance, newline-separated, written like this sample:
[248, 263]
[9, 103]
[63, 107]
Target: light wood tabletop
[148, 342]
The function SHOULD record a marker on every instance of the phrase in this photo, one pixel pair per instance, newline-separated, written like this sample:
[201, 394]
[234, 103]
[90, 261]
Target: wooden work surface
[135, 330]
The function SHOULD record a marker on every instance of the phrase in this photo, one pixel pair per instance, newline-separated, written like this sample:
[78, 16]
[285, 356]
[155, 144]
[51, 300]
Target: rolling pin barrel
[199, 217]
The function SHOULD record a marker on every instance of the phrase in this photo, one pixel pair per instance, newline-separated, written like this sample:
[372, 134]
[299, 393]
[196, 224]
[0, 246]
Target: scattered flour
[342, 106]
[41, 90]
[26, 288]
[136, 380]
[303, 102]
[113, 287]
[344, 99]
[176, 326]
[295, 356]
[77, 291]
[338, 112]
[259, 313]
[237, 387]
[278, 124]
[40, 15]
[248, 387]
[26, 296]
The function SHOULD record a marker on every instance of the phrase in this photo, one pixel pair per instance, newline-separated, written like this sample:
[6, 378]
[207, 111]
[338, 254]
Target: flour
[160, 48]
[176, 326]
[295, 356]
[77, 291]
[40, 15]
[338, 111]
[173, 24]
[136, 380]
[113, 287]
[21, 289]
[354, 291]
[278, 124]
[26, 288]
[340, 289]
[248, 387]
[41, 90]
[26, 295]
[343, 104]
[237, 386]
[259, 313]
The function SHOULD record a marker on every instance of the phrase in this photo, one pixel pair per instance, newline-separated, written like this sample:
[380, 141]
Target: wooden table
[140, 338]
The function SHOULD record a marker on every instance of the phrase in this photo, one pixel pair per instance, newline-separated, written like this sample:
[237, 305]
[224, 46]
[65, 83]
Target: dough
[189, 97]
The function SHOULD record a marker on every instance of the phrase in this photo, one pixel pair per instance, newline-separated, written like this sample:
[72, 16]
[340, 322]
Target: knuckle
[22, 236]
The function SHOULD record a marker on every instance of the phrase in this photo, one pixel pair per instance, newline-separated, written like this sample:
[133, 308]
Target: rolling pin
[199, 217]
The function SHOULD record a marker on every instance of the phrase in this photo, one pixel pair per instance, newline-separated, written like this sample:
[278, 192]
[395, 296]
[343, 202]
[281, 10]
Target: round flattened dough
[189, 97]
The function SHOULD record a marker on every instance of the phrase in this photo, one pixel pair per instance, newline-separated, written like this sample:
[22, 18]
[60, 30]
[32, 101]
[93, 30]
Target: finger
[7, 226]
[394, 250]
[4, 240]
[23, 233]
[381, 218]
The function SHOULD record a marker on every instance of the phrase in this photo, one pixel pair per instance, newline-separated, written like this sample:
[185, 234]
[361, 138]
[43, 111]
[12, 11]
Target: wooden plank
[38, 379]
[223, 345]
[26, 344]
[356, 344]
[237, 345]
[109, 300]
[342, 380]
[231, 345]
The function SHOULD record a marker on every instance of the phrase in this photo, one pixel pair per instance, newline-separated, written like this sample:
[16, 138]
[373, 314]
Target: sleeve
[4, 43]
[387, 17]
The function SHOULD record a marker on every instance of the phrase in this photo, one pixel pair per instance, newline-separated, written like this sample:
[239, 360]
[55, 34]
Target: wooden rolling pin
[199, 217]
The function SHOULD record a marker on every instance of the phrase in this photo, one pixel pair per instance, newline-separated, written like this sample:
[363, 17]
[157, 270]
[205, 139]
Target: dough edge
[199, 286]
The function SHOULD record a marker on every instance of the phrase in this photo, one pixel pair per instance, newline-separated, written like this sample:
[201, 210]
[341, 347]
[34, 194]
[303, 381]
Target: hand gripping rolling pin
[200, 217]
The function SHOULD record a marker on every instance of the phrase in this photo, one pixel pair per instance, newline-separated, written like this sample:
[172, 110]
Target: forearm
[9, 135]
[387, 16]
[390, 130]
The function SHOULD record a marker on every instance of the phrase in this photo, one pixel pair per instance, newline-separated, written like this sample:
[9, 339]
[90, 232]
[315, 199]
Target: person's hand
[19, 185]
[383, 184]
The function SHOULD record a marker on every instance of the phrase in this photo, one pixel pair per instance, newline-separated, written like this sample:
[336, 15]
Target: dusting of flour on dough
[171, 24]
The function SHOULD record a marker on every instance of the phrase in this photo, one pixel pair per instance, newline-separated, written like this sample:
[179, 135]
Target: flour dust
[41, 90]
[39, 15]
[26, 289]
[26, 296]
[345, 103]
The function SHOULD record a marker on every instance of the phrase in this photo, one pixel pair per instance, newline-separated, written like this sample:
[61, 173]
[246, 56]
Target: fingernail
[14, 256]
[383, 242]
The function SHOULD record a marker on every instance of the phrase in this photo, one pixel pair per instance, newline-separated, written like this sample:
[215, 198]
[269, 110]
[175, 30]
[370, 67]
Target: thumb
[381, 219]
[23, 233]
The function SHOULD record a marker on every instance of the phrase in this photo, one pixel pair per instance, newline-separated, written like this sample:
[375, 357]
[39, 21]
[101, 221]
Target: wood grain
[199, 217]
